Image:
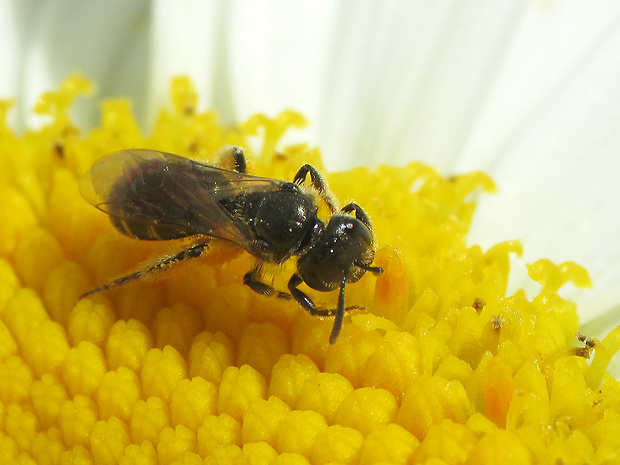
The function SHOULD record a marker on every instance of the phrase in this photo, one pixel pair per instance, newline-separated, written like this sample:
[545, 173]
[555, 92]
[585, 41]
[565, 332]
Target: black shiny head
[337, 253]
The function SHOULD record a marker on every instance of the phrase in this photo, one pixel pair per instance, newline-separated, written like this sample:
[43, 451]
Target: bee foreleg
[164, 264]
[318, 182]
[309, 306]
[303, 299]
[252, 280]
[359, 213]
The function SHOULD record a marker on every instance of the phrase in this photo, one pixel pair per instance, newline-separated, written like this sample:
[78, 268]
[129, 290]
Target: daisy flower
[466, 353]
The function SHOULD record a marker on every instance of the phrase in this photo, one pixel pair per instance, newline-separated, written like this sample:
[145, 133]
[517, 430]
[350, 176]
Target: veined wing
[158, 189]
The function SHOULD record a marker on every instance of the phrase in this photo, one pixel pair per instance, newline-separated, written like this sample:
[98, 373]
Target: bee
[159, 196]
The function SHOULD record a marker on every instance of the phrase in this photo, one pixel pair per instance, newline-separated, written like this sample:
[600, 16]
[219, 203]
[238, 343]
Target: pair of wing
[157, 188]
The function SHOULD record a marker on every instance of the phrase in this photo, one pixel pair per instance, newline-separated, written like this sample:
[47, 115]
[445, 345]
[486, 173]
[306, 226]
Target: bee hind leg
[232, 153]
[164, 264]
[252, 280]
[238, 155]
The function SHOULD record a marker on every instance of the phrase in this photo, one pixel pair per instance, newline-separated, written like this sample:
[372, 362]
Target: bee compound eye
[324, 255]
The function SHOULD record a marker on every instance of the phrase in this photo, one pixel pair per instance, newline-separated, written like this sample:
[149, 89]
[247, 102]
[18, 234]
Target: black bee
[160, 196]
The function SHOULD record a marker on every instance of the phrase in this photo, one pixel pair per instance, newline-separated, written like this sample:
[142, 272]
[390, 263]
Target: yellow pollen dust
[441, 366]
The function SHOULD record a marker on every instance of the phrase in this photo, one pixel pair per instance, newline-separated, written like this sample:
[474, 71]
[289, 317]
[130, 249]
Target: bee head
[343, 248]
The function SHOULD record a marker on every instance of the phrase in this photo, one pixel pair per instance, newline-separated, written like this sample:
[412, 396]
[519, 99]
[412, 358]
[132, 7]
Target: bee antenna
[339, 312]
[376, 270]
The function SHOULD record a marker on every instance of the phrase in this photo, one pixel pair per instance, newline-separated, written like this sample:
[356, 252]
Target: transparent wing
[162, 189]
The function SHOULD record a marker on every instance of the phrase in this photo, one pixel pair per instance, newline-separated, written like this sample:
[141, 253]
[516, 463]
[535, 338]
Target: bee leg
[252, 280]
[318, 182]
[236, 153]
[339, 313]
[239, 158]
[309, 306]
[303, 300]
[376, 270]
[359, 214]
[194, 251]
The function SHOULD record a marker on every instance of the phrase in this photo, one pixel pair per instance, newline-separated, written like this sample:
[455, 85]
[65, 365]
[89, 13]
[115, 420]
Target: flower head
[442, 367]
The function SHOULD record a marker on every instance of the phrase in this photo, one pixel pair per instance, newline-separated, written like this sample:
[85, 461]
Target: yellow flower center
[441, 367]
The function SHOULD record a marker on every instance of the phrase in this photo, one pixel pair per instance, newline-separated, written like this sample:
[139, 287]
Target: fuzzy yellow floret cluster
[442, 368]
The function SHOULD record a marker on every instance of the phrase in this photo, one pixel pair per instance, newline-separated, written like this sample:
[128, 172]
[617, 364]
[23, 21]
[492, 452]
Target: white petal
[548, 135]
[279, 56]
[105, 42]
[12, 18]
[424, 70]
[188, 39]
[15, 25]
[387, 81]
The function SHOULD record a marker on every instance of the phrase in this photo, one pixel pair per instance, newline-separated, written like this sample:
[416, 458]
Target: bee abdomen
[148, 232]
